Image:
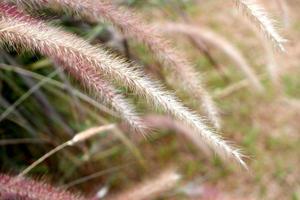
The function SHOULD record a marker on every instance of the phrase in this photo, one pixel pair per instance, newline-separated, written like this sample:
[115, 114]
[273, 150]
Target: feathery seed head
[87, 62]
[258, 15]
[132, 26]
[26, 189]
[58, 45]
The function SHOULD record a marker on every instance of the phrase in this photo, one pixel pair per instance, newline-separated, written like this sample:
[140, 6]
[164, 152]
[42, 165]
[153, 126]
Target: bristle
[88, 61]
[50, 43]
[258, 15]
[132, 26]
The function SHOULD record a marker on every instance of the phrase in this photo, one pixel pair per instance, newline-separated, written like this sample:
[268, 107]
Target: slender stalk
[80, 137]
[62, 86]
[51, 42]
[88, 61]
[12, 107]
[132, 26]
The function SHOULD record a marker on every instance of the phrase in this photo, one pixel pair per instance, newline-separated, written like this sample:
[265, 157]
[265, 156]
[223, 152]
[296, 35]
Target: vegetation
[81, 114]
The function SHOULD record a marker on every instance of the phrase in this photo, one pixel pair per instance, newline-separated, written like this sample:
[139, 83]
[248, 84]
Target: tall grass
[133, 26]
[101, 72]
[54, 42]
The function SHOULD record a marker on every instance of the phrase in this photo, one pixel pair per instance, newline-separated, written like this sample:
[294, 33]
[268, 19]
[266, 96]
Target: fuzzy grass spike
[132, 26]
[52, 41]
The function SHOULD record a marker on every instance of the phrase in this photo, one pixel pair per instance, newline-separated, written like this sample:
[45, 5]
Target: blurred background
[42, 107]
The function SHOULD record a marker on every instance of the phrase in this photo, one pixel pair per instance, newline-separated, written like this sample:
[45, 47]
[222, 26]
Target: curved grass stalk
[219, 42]
[259, 16]
[62, 86]
[95, 175]
[18, 117]
[25, 96]
[54, 42]
[132, 26]
[80, 137]
[51, 43]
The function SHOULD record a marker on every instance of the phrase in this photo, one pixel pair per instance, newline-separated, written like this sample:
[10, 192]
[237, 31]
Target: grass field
[42, 107]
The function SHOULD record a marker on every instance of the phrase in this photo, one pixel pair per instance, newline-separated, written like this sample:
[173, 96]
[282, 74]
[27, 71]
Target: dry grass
[53, 42]
[132, 26]
[265, 124]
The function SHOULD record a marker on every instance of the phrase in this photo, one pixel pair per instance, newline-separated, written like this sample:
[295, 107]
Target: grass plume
[24, 188]
[132, 26]
[259, 16]
[51, 42]
[89, 60]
